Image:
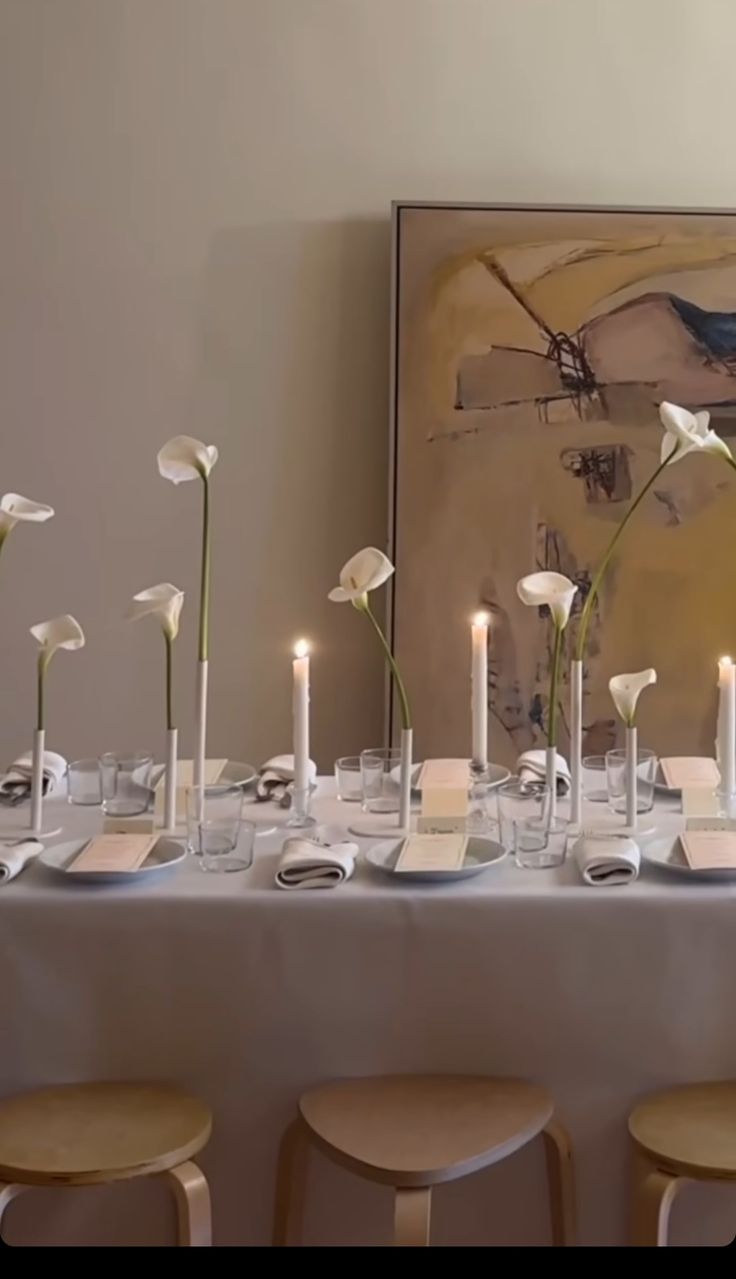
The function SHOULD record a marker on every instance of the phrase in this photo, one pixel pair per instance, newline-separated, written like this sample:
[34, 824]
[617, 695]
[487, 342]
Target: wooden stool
[88, 1134]
[414, 1132]
[681, 1135]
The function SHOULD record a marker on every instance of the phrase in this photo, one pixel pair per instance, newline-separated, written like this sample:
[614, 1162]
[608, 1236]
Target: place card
[453, 773]
[709, 849]
[432, 852]
[700, 803]
[694, 772]
[113, 853]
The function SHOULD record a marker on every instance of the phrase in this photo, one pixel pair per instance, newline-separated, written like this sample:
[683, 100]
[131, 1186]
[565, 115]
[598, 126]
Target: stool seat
[690, 1131]
[414, 1132]
[81, 1134]
[422, 1130]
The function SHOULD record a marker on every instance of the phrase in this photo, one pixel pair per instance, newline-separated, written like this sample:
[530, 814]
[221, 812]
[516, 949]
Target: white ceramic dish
[481, 854]
[166, 854]
[666, 854]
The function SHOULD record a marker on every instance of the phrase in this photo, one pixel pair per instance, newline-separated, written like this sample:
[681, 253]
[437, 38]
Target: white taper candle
[301, 716]
[479, 687]
[727, 725]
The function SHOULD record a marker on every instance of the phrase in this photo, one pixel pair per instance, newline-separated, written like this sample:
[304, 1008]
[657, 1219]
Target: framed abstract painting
[531, 349]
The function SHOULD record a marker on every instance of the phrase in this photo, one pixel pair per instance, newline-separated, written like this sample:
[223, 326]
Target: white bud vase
[551, 780]
[632, 750]
[405, 778]
[576, 742]
[172, 759]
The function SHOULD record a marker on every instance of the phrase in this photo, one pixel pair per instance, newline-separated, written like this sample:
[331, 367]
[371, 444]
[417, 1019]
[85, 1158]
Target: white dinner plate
[164, 855]
[480, 855]
[666, 855]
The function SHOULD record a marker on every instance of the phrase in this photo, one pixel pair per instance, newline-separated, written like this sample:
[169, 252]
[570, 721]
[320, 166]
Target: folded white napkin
[607, 860]
[276, 777]
[532, 765]
[305, 863]
[15, 857]
[15, 785]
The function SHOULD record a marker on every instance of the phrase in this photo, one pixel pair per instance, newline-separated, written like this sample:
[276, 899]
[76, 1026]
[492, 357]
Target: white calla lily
[59, 632]
[185, 458]
[687, 432]
[367, 570]
[164, 602]
[15, 509]
[625, 691]
[553, 589]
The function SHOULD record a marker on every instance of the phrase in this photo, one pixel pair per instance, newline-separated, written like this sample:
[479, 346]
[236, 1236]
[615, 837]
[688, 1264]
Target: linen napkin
[15, 785]
[305, 863]
[276, 777]
[607, 860]
[532, 766]
[15, 857]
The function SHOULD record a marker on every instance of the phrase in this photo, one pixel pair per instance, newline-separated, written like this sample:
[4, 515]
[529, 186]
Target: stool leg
[291, 1185]
[411, 1217]
[193, 1210]
[8, 1191]
[561, 1182]
[653, 1193]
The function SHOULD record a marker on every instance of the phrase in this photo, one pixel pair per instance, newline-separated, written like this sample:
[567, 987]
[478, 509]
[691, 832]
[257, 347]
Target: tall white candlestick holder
[200, 724]
[726, 742]
[576, 741]
[630, 776]
[172, 759]
[550, 760]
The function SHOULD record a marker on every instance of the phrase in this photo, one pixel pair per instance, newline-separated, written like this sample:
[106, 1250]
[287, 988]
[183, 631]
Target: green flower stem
[168, 641]
[553, 681]
[204, 590]
[592, 595]
[40, 687]
[405, 716]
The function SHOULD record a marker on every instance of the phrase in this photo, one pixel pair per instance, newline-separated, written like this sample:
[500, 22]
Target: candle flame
[481, 619]
[725, 661]
[301, 648]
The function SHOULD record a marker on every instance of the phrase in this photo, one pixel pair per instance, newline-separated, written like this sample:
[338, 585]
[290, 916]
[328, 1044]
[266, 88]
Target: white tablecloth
[248, 995]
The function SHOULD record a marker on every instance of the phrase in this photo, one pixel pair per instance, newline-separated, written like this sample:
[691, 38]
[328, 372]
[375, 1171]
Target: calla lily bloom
[553, 589]
[687, 432]
[164, 602]
[59, 632]
[15, 509]
[625, 691]
[185, 458]
[367, 570]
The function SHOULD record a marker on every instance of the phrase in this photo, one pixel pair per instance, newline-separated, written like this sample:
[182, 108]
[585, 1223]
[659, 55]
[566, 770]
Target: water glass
[126, 783]
[594, 779]
[83, 782]
[216, 835]
[540, 843]
[646, 770]
[518, 800]
[348, 779]
[380, 771]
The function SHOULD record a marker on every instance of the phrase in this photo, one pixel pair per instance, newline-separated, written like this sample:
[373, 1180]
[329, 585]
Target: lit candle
[479, 685]
[727, 725]
[301, 715]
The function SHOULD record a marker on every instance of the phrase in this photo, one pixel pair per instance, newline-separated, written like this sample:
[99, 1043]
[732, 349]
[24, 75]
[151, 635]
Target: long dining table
[248, 995]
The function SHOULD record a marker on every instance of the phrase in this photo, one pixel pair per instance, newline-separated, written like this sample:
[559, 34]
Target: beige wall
[194, 237]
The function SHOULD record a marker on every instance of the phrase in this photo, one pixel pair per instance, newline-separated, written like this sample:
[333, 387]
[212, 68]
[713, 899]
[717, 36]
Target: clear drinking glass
[348, 779]
[540, 842]
[519, 800]
[646, 770]
[594, 779]
[126, 783]
[380, 779]
[83, 782]
[216, 835]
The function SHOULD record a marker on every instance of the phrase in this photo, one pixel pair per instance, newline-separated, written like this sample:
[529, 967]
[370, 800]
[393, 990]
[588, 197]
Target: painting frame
[399, 209]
